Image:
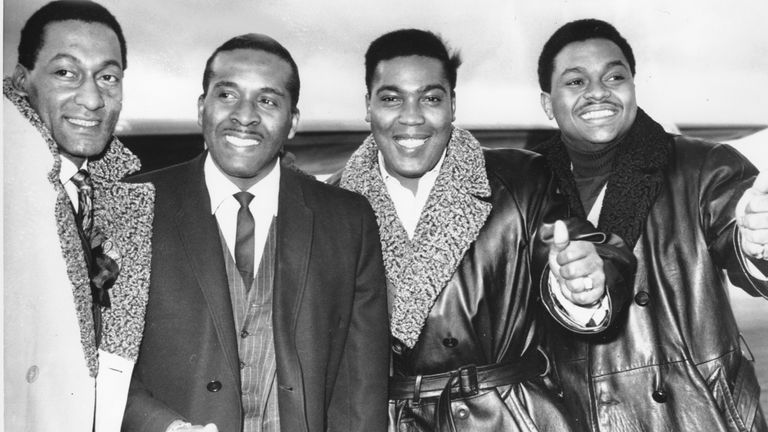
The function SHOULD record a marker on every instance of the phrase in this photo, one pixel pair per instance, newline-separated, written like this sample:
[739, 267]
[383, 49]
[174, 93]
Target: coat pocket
[739, 405]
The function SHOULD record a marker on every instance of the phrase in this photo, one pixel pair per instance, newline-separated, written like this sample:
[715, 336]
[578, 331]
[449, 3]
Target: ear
[200, 107]
[546, 105]
[453, 106]
[19, 80]
[367, 108]
[294, 123]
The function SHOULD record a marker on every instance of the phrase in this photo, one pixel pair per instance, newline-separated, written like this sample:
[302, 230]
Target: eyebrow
[423, 89]
[70, 57]
[607, 66]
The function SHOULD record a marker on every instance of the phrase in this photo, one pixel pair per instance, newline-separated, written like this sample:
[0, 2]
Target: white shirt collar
[220, 188]
[66, 171]
[407, 205]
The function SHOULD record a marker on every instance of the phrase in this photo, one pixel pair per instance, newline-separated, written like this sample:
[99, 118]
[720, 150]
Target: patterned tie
[244, 241]
[82, 180]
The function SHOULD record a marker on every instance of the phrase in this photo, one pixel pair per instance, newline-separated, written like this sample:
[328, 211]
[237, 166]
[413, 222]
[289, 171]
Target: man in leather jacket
[690, 210]
[464, 255]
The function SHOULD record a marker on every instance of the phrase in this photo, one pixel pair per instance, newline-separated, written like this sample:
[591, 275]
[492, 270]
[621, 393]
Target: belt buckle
[468, 380]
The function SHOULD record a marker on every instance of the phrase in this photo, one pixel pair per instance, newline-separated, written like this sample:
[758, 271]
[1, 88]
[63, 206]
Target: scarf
[633, 184]
[418, 269]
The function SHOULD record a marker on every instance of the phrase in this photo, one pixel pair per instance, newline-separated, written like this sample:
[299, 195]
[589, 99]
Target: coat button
[244, 334]
[213, 386]
[659, 396]
[462, 412]
[642, 298]
[450, 342]
[32, 374]
[397, 348]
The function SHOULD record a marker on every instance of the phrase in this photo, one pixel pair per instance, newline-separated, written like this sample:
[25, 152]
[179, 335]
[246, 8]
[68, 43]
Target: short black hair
[578, 31]
[410, 42]
[64, 10]
[258, 42]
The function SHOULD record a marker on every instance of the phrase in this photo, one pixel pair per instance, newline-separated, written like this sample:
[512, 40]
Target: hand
[181, 426]
[576, 265]
[752, 219]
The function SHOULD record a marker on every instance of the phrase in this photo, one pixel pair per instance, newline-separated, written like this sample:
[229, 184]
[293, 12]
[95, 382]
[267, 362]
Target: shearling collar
[419, 269]
[123, 214]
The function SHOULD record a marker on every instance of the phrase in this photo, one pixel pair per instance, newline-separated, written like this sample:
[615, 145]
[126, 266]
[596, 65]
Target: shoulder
[703, 155]
[170, 176]
[515, 166]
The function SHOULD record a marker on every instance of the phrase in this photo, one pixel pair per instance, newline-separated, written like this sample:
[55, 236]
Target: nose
[89, 95]
[596, 90]
[411, 113]
[245, 113]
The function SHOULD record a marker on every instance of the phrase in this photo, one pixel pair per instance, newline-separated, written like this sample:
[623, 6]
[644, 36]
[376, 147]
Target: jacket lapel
[201, 242]
[294, 243]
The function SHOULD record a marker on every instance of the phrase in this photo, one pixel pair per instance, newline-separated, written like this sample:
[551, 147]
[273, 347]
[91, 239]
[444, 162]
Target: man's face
[410, 108]
[246, 114]
[593, 94]
[76, 86]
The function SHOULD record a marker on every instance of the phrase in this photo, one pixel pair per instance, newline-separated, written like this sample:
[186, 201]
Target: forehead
[409, 70]
[588, 54]
[86, 42]
[248, 66]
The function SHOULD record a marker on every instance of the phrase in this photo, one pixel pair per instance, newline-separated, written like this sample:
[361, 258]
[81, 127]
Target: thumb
[560, 237]
[761, 183]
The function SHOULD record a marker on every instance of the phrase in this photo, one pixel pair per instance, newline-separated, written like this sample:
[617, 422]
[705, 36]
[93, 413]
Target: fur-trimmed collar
[123, 213]
[634, 182]
[418, 269]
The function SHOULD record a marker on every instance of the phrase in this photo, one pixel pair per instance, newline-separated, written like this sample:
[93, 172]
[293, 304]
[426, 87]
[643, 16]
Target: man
[77, 240]
[463, 254]
[291, 339]
[676, 361]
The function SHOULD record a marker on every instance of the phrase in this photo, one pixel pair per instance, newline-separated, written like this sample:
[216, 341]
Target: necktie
[244, 241]
[82, 180]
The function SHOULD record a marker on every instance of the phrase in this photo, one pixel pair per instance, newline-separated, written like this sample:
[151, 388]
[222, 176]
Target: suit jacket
[329, 312]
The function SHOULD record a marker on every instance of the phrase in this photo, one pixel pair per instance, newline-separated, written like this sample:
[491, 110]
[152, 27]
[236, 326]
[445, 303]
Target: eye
[110, 78]
[574, 82]
[64, 73]
[389, 99]
[267, 101]
[225, 95]
[616, 77]
[433, 99]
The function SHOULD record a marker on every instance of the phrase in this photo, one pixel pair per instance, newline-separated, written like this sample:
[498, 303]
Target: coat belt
[468, 380]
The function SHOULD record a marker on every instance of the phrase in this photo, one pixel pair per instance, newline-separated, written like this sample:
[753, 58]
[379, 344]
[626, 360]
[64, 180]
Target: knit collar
[635, 179]
[419, 269]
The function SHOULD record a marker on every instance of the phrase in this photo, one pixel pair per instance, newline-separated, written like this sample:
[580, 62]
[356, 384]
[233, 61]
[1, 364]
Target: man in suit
[76, 239]
[293, 338]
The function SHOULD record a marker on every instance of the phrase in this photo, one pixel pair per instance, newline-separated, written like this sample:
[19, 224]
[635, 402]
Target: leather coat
[488, 311]
[675, 361]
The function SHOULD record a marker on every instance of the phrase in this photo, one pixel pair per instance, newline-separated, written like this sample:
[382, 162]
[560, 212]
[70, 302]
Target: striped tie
[244, 240]
[82, 180]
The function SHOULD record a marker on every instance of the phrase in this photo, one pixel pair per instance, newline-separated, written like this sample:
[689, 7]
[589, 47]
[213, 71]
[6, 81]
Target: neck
[592, 163]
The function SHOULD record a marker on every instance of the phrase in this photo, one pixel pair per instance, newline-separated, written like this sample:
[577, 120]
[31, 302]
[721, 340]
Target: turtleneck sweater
[591, 171]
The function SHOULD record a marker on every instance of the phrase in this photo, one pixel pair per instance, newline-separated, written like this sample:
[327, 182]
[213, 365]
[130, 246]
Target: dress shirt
[224, 206]
[68, 169]
[407, 205]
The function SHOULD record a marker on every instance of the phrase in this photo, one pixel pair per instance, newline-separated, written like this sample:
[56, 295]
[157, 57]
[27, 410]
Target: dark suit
[329, 312]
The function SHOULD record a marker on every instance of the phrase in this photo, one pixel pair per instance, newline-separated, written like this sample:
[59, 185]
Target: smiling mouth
[242, 142]
[411, 142]
[598, 114]
[83, 123]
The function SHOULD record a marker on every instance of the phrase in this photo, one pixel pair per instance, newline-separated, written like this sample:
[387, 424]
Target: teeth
[592, 115]
[411, 142]
[83, 123]
[242, 142]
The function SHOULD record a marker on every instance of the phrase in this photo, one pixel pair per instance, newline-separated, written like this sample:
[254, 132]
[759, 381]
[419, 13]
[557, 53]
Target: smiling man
[691, 210]
[77, 240]
[461, 231]
[268, 302]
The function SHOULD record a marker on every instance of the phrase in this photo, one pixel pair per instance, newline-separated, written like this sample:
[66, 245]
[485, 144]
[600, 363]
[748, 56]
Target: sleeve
[359, 400]
[723, 179]
[144, 413]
